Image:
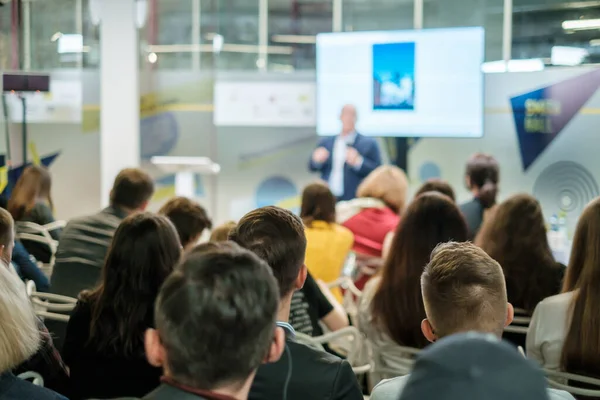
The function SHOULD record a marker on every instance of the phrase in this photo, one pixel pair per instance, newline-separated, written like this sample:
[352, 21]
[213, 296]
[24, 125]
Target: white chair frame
[32, 232]
[556, 377]
[50, 306]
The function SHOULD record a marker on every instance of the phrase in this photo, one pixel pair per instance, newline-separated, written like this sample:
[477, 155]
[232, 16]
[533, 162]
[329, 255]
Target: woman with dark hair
[391, 308]
[515, 236]
[565, 329]
[482, 176]
[31, 201]
[328, 243]
[104, 345]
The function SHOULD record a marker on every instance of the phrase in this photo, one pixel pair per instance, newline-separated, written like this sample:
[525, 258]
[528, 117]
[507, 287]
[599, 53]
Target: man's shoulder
[389, 388]
[317, 360]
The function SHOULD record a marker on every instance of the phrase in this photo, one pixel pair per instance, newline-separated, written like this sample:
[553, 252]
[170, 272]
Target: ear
[277, 346]
[510, 314]
[2, 248]
[301, 277]
[155, 352]
[468, 181]
[143, 206]
[427, 330]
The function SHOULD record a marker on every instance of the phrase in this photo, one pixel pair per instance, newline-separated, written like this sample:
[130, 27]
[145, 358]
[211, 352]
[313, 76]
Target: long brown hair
[397, 306]
[514, 234]
[144, 251]
[318, 204]
[34, 184]
[483, 172]
[581, 349]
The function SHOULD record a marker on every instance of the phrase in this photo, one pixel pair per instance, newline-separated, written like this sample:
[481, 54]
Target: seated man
[189, 217]
[474, 366]
[215, 324]
[277, 236]
[463, 290]
[84, 241]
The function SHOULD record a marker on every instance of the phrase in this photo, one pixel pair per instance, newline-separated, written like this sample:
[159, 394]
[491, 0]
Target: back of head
[387, 183]
[474, 366]
[581, 349]
[216, 316]
[514, 234]
[429, 220]
[318, 204]
[221, 232]
[189, 217]
[483, 173]
[19, 335]
[35, 183]
[437, 185]
[277, 236]
[132, 189]
[464, 290]
[7, 227]
[144, 251]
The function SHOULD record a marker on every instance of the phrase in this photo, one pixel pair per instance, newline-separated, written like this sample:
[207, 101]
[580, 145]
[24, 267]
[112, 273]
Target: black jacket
[168, 392]
[315, 375]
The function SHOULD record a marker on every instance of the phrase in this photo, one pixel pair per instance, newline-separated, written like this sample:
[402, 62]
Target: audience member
[436, 185]
[464, 290]
[21, 260]
[189, 217]
[565, 333]
[31, 201]
[375, 213]
[236, 292]
[84, 242]
[103, 345]
[391, 308]
[327, 243]
[221, 232]
[515, 236]
[277, 236]
[19, 340]
[314, 305]
[476, 366]
[481, 177]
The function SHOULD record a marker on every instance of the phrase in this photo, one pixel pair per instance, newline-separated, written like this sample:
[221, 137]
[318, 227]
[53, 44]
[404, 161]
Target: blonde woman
[374, 213]
[19, 339]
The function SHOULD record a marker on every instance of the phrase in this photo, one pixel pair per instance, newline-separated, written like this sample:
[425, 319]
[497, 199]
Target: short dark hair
[277, 236]
[189, 217]
[216, 315]
[7, 227]
[436, 185]
[484, 173]
[464, 290]
[131, 189]
[318, 204]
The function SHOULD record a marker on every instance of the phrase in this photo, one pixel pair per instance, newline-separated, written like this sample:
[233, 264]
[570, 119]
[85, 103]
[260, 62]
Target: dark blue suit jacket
[368, 149]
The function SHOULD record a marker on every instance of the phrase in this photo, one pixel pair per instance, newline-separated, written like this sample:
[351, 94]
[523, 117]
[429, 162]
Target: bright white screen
[403, 83]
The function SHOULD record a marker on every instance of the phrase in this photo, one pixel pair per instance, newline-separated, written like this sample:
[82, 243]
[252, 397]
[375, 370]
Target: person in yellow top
[328, 243]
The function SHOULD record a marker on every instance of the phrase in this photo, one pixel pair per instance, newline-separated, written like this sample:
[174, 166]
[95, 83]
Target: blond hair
[221, 232]
[19, 334]
[387, 183]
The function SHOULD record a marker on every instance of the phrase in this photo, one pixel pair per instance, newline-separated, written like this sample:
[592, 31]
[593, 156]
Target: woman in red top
[373, 214]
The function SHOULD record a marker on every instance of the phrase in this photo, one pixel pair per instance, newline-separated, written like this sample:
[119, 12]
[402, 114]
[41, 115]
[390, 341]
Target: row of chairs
[32, 232]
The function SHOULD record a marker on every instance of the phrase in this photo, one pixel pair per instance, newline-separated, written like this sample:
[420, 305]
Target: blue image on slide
[394, 76]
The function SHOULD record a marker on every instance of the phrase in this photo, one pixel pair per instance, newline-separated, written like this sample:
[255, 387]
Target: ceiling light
[581, 24]
[300, 39]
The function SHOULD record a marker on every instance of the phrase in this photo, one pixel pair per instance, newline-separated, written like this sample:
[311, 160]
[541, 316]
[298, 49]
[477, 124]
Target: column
[119, 91]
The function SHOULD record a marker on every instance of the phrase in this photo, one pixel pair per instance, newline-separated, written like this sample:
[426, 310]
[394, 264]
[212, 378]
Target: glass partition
[372, 15]
[53, 34]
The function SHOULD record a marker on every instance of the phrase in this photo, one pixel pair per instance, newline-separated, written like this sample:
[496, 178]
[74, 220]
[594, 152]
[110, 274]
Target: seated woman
[104, 344]
[564, 331]
[481, 177]
[515, 236]
[19, 339]
[327, 243]
[30, 201]
[391, 309]
[373, 214]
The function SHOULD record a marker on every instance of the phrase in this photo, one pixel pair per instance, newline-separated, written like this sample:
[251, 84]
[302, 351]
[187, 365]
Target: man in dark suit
[345, 160]
[215, 324]
[277, 236]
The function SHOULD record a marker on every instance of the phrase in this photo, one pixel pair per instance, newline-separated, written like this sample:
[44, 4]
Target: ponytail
[487, 194]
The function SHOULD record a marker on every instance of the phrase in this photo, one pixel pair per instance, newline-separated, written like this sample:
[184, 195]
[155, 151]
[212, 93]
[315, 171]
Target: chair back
[390, 361]
[520, 323]
[33, 377]
[348, 339]
[351, 296]
[564, 381]
[71, 277]
[32, 232]
[51, 306]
